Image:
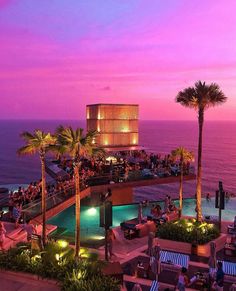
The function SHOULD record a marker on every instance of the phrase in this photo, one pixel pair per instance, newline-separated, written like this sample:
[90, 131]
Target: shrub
[101, 283]
[57, 262]
[188, 230]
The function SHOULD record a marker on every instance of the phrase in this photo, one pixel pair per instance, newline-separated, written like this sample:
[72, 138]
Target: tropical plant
[77, 145]
[184, 156]
[38, 142]
[57, 262]
[200, 97]
[188, 230]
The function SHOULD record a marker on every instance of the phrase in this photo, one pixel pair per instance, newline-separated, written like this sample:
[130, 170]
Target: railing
[35, 208]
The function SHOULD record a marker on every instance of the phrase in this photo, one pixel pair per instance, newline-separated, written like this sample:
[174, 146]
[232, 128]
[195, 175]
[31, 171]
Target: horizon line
[164, 120]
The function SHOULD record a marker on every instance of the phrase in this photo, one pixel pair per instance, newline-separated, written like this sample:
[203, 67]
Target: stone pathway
[11, 282]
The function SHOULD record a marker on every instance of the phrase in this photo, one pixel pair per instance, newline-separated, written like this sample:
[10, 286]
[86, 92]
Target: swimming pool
[90, 230]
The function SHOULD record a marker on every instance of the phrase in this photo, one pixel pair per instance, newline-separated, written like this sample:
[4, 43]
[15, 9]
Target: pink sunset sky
[57, 56]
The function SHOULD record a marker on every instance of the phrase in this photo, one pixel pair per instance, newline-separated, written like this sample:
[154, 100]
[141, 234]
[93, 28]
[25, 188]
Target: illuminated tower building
[117, 124]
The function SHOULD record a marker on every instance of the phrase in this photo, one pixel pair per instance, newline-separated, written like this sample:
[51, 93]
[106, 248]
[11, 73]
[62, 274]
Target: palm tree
[184, 156]
[76, 145]
[200, 97]
[38, 142]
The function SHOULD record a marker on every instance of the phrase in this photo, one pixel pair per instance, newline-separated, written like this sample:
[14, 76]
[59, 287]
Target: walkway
[12, 282]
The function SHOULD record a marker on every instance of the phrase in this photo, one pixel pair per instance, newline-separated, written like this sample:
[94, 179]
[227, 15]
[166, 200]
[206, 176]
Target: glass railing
[35, 208]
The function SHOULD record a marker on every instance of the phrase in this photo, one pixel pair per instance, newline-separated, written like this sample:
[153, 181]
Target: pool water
[91, 231]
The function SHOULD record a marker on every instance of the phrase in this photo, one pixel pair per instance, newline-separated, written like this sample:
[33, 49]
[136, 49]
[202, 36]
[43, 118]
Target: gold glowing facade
[117, 124]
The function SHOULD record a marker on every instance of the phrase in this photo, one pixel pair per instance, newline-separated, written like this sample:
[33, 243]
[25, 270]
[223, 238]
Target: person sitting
[153, 210]
[208, 197]
[172, 207]
[140, 270]
[158, 211]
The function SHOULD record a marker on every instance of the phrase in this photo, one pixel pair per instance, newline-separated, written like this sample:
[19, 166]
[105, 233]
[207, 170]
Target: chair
[154, 286]
[174, 259]
[231, 229]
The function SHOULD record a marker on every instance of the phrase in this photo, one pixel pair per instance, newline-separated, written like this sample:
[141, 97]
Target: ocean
[219, 151]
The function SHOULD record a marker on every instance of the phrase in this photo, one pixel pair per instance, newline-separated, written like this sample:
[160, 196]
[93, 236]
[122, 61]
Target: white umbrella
[212, 260]
[155, 262]
[151, 236]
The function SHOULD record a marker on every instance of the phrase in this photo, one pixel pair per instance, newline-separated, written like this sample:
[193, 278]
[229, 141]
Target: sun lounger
[176, 259]
[154, 286]
[231, 229]
[229, 268]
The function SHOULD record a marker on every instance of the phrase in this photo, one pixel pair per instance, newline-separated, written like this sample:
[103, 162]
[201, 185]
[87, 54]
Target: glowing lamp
[98, 237]
[92, 211]
[57, 256]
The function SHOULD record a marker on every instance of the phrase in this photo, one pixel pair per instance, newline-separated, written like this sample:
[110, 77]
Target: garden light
[57, 256]
[62, 243]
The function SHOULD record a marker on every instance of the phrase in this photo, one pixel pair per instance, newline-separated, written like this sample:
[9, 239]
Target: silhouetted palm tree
[38, 142]
[184, 156]
[200, 97]
[77, 145]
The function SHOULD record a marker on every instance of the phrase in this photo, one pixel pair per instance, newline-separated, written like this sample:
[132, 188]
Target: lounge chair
[177, 259]
[154, 286]
[229, 268]
[231, 229]
[130, 230]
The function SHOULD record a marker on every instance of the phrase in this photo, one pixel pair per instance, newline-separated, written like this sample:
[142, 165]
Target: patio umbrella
[212, 260]
[140, 213]
[151, 236]
[155, 262]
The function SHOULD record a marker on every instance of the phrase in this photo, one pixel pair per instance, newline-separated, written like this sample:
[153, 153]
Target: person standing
[2, 235]
[183, 280]
[219, 283]
[110, 239]
[17, 214]
[30, 229]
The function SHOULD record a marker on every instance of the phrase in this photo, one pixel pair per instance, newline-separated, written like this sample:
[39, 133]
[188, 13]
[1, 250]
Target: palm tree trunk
[77, 212]
[42, 157]
[199, 165]
[181, 189]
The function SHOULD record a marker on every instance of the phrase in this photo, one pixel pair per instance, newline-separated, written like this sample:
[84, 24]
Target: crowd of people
[95, 167]
[157, 213]
[125, 166]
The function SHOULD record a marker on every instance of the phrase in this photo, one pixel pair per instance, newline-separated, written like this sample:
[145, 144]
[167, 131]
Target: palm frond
[201, 96]
[27, 136]
[27, 150]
